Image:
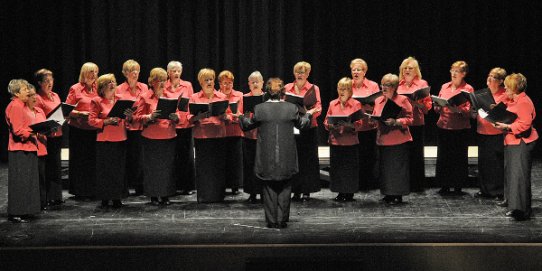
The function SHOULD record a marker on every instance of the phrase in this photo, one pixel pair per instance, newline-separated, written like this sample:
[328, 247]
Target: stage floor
[426, 218]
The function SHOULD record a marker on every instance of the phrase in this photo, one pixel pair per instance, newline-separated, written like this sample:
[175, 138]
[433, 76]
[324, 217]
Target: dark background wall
[271, 36]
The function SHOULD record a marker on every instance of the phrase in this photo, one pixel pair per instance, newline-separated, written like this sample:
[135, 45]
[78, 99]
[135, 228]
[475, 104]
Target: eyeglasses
[227, 83]
[299, 72]
[388, 85]
[455, 71]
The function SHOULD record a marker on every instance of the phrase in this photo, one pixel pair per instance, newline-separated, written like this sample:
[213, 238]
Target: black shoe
[17, 219]
[396, 200]
[387, 199]
[154, 201]
[444, 191]
[296, 197]
[187, 192]
[458, 191]
[117, 204]
[503, 203]
[252, 199]
[519, 215]
[499, 198]
[306, 197]
[165, 201]
[340, 198]
[235, 191]
[44, 206]
[349, 197]
[273, 225]
[283, 225]
[480, 194]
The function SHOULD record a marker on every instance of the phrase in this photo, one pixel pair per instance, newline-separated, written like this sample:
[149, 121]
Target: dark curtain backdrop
[271, 36]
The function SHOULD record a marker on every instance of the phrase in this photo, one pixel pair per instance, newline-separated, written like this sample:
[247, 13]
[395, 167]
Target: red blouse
[290, 87]
[99, 109]
[79, 94]
[340, 136]
[159, 128]
[123, 92]
[19, 118]
[211, 127]
[485, 127]
[367, 88]
[39, 116]
[252, 134]
[418, 113]
[184, 90]
[232, 127]
[524, 108]
[394, 135]
[449, 120]
[47, 102]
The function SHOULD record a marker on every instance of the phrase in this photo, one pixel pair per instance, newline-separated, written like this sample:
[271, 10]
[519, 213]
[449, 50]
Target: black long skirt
[491, 164]
[53, 169]
[308, 178]
[82, 165]
[368, 160]
[344, 169]
[158, 169]
[42, 180]
[234, 162]
[395, 170]
[110, 170]
[185, 174]
[517, 176]
[417, 163]
[251, 183]
[452, 158]
[23, 183]
[134, 168]
[210, 169]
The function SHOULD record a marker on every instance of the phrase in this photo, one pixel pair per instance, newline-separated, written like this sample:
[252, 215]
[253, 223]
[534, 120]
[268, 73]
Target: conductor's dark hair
[278, 95]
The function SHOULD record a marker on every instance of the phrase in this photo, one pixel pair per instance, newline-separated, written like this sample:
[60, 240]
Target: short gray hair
[15, 85]
[173, 64]
[256, 75]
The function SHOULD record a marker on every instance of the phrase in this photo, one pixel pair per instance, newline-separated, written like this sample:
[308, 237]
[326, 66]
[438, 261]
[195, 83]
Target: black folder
[196, 108]
[498, 114]
[249, 102]
[368, 99]
[215, 108]
[67, 108]
[391, 110]
[306, 101]
[119, 107]
[482, 99]
[234, 107]
[183, 104]
[458, 99]
[418, 94]
[166, 107]
[337, 119]
[45, 126]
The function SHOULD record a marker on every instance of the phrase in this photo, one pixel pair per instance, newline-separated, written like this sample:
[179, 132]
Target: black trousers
[276, 200]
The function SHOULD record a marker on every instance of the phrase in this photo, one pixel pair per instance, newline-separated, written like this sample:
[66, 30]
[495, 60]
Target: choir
[264, 141]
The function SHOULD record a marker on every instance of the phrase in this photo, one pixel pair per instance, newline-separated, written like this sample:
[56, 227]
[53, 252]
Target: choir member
[343, 143]
[23, 179]
[233, 142]
[132, 89]
[410, 80]
[184, 154]
[490, 143]
[110, 146]
[363, 87]
[276, 155]
[209, 132]
[519, 141]
[157, 142]
[308, 179]
[251, 184]
[453, 133]
[393, 137]
[48, 101]
[82, 136]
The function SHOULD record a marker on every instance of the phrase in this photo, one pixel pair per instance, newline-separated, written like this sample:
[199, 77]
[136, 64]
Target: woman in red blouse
[157, 142]
[132, 89]
[110, 145]
[519, 142]
[410, 80]
[362, 87]
[453, 133]
[48, 100]
[343, 143]
[308, 179]
[209, 132]
[234, 136]
[23, 177]
[82, 136]
[393, 137]
[490, 147]
[184, 158]
[251, 184]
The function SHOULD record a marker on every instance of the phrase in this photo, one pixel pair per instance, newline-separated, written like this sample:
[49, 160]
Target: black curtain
[271, 36]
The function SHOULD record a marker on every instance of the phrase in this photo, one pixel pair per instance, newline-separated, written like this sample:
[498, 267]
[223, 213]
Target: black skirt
[110, 170]
[517, 176]
[158, 158]
[251, 183]
[185, 173]
[308, 178]
[210, 169]
[368, 160]
[395, 170]
[417, 163]
[234, 161]
[82, 165]
[452, 158]
[344, 169]
[53, 177]
[23, 183]
[491, 164]
[134, 168]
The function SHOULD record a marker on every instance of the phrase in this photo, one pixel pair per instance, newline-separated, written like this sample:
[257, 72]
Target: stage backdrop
[271, 36]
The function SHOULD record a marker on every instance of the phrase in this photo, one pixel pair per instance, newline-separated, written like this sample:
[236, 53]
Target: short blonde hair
[225, 75]
[41, 74]
[302, 65]
[360, 62]
[393, 79]
[415, 64]
[461, 65]
[345, 82]
[103, 81]
[15, 86]
[204, 74]
[128, 66]
[516, 82]
[89, 66]
[157, 74]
